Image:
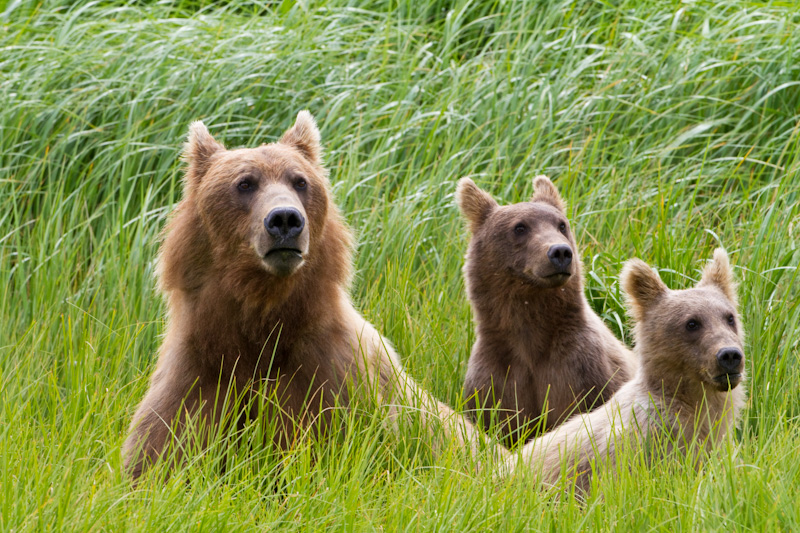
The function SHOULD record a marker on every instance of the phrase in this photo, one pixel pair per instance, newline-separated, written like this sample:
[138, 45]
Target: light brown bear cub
[541, 353]
[686, 393]
[255, 266]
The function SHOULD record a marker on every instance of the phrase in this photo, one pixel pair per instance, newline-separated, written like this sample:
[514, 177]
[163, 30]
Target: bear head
[531, 241]
[265, 205]
[687, 336]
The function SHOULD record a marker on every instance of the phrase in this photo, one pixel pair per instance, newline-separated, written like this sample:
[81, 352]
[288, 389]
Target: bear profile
[687, 394]
[541, 353]
[255, 267]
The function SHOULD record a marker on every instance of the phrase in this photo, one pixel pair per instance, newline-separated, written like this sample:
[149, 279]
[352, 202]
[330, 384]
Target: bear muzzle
[560, 256]
[730, 361]
[285, 227]
[555, 269]
[284, 223]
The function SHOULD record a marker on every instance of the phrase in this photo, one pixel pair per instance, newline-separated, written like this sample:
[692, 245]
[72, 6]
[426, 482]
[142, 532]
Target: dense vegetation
[670, 128]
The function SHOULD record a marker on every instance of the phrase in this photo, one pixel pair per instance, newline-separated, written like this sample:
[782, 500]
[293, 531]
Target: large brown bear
[541, 353]
[685, 396]
[255, 266]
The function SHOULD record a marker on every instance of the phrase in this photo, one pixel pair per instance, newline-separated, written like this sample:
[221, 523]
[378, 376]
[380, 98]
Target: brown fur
[243, 309]
[674, 400]
[540, 349]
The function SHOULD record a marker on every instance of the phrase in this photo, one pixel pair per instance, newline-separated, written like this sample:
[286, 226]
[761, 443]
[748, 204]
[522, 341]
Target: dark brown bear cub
[255, 266]
[541, 353]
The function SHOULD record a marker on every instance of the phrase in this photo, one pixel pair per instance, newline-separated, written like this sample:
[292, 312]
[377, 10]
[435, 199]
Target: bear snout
[285, 245]
[560, 256]
[730, 362]
[284, 223]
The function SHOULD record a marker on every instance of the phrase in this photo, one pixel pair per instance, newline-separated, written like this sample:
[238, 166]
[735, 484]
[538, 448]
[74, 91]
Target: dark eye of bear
[731, 320]
[300, 184]
[246, 184]
[562, 228]
[693, 325]
[520, 229]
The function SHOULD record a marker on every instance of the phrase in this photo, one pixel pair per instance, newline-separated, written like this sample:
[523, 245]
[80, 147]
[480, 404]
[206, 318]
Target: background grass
[670, 128]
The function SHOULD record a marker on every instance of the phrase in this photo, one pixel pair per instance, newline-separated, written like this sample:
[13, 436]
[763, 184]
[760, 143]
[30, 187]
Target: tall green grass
[670, 128]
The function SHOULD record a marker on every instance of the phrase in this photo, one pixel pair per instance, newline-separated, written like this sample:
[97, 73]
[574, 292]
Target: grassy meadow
[670, 128]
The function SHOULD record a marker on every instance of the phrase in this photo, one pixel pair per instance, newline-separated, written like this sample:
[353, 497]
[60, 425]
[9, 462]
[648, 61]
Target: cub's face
[697, 331]
[266, 205]
[533, 240]
[530, 240]
[694, 334]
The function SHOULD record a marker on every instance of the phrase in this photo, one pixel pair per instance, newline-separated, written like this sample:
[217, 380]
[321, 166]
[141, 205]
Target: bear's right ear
[197, 152]
[475, 204]
[545, 191]
[642, 286]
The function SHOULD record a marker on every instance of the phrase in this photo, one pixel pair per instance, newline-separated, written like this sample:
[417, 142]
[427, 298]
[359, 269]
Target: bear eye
[562, 228]
[520, 229]
[247, 184]
[300, 184]
[693, 325]
[731, 320]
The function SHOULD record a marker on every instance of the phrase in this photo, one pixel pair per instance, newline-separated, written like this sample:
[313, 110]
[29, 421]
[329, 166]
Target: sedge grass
[669, 128]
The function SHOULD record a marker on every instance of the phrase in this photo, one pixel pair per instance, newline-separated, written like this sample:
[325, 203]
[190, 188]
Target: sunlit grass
[670, 128]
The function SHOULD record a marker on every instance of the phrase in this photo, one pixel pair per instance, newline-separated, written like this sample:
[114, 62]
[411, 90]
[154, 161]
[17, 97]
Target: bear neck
[248, 317]
[511, 311]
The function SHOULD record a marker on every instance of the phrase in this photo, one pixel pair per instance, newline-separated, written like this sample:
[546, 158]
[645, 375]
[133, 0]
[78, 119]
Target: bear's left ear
[545, 191]
[197, 152]
[642, 286]
[304, 136]
[719, 274]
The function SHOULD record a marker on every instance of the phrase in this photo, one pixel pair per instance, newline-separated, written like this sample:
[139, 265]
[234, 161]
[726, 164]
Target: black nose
[284, 222]
[561, 256]
[730, 360]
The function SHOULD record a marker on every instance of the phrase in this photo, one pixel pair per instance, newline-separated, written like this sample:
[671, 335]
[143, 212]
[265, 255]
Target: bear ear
[545, 191]
[642, 286]
[719, 274]
[304, 136]
[197, 152]
[475, 204]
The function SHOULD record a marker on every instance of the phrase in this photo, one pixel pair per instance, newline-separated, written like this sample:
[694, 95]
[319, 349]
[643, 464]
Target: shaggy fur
[255, 299]
[684, 397]
[541, 353]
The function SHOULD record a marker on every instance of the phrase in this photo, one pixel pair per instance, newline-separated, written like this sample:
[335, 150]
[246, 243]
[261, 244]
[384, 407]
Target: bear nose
[730, 360]
[561, 256]
[284, 222]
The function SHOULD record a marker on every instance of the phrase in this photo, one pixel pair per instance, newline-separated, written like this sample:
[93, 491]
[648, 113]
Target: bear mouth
[557, 279]
[283, 262]
[540, 280]
[285, 252]
[728, 381]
